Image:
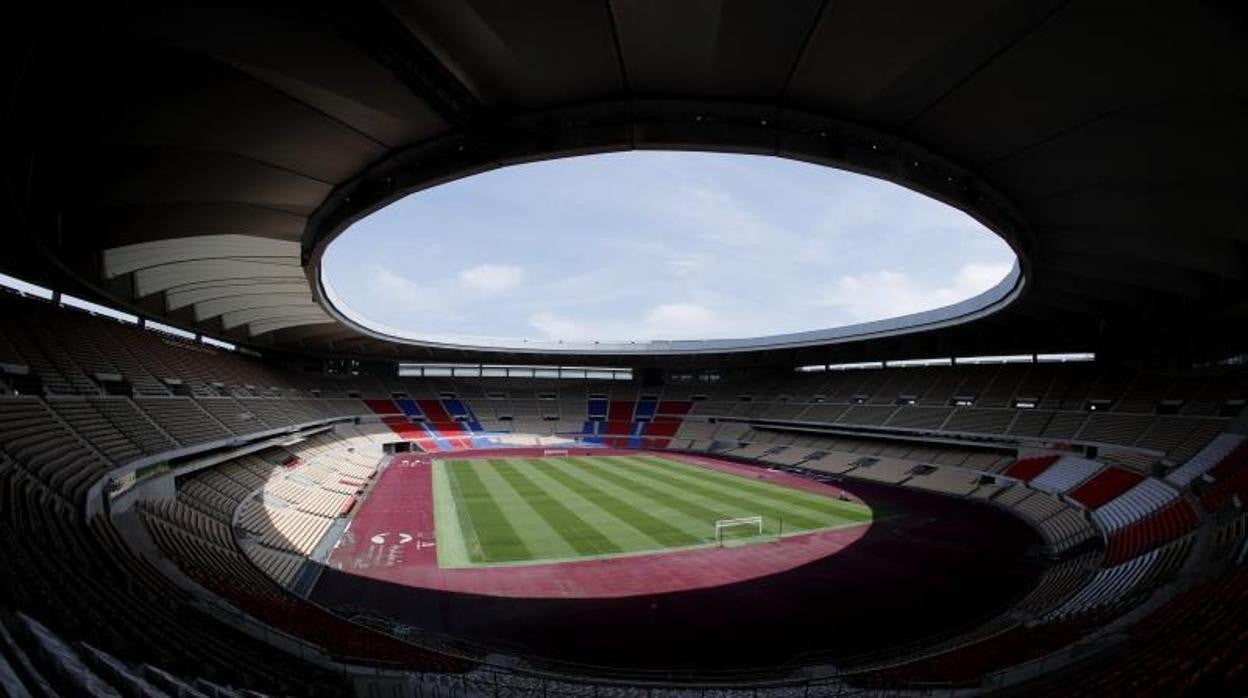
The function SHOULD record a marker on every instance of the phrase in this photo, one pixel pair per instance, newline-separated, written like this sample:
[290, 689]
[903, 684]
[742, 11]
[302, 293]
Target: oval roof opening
[662, 249]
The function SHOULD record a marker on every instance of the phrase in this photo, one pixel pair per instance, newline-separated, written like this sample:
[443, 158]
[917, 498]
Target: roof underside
[190, 161]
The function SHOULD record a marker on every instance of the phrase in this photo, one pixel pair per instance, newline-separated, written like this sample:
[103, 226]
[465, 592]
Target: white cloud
[680, 321]
[555, 327]
[719, 217]
[492, 278]
[393, 286]
[978, 277]
[884, 294]
[663, 321]
[685, 266]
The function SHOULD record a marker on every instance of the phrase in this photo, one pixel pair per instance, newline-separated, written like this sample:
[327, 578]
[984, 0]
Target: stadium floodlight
[214, 342]
[95, 308]
[168, 329]
[755, 522]
[1068, 357]
[913, 363]
[25, 287]
[993, 359]
[857, 365]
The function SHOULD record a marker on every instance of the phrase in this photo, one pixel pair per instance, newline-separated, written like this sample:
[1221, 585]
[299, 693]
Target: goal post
[749, 523]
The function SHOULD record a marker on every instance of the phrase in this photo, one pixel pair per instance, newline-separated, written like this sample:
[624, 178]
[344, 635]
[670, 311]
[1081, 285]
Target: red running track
[390, 539]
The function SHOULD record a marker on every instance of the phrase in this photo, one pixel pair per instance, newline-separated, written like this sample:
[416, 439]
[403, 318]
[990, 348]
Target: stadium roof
[191, 161]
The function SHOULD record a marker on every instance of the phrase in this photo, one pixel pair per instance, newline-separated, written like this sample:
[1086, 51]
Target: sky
[649, 245]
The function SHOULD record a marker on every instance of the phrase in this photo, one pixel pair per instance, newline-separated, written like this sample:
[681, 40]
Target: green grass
[524, 510]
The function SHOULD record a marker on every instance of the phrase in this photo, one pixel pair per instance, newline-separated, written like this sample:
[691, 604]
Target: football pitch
[494, 511]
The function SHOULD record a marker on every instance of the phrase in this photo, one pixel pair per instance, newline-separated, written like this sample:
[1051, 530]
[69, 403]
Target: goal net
[728, 530]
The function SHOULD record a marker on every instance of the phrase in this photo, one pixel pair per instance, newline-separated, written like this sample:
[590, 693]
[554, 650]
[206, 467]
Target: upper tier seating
[1065, 474]
[81, 354]
[1027, 468]
[47, 448]
[1116, 583]
[1161, 526]
[183, 419]
[1062, 526]
[1144, 498]
[1230, 486]
[1221, 448]
[1104, 486]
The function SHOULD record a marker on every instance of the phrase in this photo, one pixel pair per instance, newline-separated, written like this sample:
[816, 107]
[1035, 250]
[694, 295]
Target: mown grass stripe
[579, 533]
[807, 502]
[739, 500]
[656, 501]
[618, 532]
[448, 522]
[658, 531]
[708, 510]
[626, 536]
[540, 536]
[796, 497]
[793, 495]
[494, 537]
[472, 541]
[800, 502]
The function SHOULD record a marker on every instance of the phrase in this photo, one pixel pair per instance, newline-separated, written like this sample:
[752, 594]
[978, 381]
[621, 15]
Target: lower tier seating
[208, 554]
[80, 580]
[1193, 645]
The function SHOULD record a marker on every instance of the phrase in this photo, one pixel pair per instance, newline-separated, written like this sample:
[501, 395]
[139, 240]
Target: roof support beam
[373, 29]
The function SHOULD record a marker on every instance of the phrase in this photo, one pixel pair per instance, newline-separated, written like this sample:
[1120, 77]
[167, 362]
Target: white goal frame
[722, 524]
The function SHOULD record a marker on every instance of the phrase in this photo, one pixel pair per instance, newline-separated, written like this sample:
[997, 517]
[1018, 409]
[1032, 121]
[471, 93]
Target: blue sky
[658, 245]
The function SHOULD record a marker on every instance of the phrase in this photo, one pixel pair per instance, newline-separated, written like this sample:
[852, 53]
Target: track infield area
[608, 557]
[546, 509]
